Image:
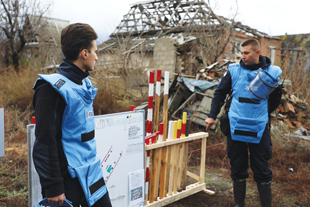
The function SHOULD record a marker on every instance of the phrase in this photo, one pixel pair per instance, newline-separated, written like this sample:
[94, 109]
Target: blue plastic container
[263, 84]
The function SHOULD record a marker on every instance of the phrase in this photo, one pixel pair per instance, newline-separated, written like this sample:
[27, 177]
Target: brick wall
[164, 56]
[265, 44]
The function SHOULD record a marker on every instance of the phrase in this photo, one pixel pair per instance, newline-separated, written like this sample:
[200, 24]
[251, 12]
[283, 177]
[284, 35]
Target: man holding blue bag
[255, 94]
[64, 153]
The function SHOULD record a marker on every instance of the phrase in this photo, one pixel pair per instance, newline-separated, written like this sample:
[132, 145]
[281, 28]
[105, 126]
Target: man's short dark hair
[75, 38]
[254, 44]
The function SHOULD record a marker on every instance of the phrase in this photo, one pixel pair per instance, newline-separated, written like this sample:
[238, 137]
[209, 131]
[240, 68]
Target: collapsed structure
[179, 36]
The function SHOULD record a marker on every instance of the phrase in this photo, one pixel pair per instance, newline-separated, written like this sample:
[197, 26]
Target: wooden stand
[177, 162]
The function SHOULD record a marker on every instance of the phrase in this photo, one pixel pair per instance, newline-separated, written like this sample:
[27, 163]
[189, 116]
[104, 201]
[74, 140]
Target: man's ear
[258, 52]
[84, 54]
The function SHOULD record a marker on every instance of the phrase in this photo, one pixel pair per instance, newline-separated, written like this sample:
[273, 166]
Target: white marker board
[120, 147]
[2, 153]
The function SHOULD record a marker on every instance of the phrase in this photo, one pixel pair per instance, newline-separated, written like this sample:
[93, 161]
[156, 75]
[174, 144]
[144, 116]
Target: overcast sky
[274, 17]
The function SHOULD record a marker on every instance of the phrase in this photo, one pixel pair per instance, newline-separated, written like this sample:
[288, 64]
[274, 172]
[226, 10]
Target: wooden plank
[157, 101]
[176, 169]
[152, 177]
[146, 193]
[163, 174]
[184, 173]
[168, 158]
[180, 165]
[203, 159]
[192, 175]
[191, 137]
[157, 171]
[165, 116]
[190, 190]
[210, 192]
[171, 170]
[165, 154]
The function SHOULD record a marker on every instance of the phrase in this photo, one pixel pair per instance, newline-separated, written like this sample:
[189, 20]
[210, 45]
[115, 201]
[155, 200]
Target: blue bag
[44, 202]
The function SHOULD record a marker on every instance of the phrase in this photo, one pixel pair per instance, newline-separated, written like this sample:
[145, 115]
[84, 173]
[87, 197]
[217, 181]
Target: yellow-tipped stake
[184, 124]
[179, 128]
[183, 157]
[175, 129]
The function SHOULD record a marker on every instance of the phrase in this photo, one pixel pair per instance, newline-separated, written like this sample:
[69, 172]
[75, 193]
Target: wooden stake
[183, 156]
[165, 105]
[172, 160]
[203, 160]
[166, 150]
[157, 101]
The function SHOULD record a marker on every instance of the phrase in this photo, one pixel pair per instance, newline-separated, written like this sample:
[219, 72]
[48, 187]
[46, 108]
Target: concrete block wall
[164, 56]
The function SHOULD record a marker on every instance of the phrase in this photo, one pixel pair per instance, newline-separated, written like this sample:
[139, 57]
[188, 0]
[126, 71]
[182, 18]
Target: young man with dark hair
[64, 152]
[249, 122]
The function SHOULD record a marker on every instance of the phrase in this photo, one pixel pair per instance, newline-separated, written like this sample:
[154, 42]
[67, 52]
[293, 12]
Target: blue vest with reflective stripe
[247, 114]
[78, 138]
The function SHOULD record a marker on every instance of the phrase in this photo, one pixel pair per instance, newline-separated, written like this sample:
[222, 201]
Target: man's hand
[209, 122]
[57, 200]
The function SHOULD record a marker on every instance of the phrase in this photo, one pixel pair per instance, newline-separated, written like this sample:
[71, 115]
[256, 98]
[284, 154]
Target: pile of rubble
[295, 114]
[194, 95]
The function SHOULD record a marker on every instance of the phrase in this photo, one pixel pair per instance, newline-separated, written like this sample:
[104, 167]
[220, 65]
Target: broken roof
[46, 27]
[297, 41]
[149, 17]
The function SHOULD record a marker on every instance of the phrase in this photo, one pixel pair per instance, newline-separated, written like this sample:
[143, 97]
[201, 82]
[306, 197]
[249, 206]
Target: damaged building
[181, 36]
[45, 39]
[295, 48]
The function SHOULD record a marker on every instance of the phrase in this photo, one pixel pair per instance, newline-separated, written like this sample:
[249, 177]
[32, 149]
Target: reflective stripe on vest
[78, 137]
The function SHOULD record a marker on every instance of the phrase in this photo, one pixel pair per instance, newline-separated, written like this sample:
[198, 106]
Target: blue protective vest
[78, 134]
[248, 115]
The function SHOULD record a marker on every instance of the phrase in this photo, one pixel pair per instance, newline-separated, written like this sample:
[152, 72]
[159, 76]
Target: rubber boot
[239, 192]
[264, 190]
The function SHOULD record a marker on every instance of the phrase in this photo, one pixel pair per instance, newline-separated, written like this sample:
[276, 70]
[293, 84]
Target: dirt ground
[290, 189]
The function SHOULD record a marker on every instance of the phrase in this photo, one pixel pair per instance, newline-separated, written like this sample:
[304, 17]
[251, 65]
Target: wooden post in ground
[149, 121]
[157, 101]
[164, 158]
[173, 158]
[203, 160]
[148, 141]
[156, 154]
[177, 157]
[184, 152]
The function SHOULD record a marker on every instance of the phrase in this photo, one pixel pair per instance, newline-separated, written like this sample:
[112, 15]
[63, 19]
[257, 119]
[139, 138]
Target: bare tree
[16, 29]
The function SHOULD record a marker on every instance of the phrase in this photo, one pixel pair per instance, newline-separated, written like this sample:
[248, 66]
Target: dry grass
[294, 70]
[114, 95]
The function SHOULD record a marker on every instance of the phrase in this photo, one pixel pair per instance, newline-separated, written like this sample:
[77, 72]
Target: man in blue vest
[64, 152]
[249, 123]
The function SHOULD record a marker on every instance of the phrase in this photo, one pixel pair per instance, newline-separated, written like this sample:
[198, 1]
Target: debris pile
[194, 94]
[295, 114]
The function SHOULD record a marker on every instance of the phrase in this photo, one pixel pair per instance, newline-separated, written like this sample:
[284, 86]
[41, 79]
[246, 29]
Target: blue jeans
[260, 154]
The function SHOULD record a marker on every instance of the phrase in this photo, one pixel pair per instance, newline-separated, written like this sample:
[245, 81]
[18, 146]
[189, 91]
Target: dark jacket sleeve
[48, 113]
[223, 88]
[275, 98]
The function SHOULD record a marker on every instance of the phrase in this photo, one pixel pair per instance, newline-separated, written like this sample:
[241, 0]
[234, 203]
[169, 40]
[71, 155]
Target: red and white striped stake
[158, 82]
[150, 106]
[157, 101]
[150, 139]
[165, 105]
[161, 132]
